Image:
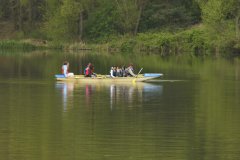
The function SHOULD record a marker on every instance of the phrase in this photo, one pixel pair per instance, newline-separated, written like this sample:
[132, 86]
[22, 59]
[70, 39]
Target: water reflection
[193, 119]
[114, 95]
[88, 92]
[132, 94]
[125, 94]
[67, 94]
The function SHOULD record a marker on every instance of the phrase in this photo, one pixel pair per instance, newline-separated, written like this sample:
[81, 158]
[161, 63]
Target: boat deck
[107, 78]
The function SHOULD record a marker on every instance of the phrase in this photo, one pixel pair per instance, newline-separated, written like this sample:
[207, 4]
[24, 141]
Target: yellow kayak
[107, 78]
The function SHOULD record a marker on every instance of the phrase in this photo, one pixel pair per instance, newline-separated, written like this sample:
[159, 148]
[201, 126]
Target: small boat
[108, 79]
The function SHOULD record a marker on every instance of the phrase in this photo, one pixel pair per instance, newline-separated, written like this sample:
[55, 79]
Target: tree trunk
[217, 51]
[20, 23]
[138, 20]
[14, 12]
[141, 5]
[30, 9]
[80, 26]
[237, 27]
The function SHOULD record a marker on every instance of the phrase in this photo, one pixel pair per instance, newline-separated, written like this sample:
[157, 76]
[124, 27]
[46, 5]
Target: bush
[11, 44]
[128, 45]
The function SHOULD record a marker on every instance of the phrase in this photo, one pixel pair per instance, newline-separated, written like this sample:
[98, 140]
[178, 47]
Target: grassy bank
[13, 44]
[191, 41]
[34, 44]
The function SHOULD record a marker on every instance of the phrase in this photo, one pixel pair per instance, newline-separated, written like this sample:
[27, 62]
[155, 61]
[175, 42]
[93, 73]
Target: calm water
[193, 112]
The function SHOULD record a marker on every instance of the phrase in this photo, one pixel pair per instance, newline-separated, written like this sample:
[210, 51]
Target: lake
[192, 112]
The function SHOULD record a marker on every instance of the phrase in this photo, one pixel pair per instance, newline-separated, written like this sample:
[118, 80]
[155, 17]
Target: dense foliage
[168, 25]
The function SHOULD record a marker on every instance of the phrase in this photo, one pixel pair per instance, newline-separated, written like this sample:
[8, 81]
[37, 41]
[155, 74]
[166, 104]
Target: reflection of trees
[237, 68]
[217, 114]
[35, 64]
[191, 120]
[28, 119]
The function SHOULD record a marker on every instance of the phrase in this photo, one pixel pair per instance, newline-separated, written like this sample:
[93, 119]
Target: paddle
[100, 76]
[139, 72]
[134, 80]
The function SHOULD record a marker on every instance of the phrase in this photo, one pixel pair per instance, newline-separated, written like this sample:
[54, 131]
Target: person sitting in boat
[113, 72]
[124, 72]
[89, 71]
[130, 71]
[65, 69]
[118, 72]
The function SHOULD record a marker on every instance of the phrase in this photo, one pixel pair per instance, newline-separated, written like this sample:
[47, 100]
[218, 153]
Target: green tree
[127, 14]
[236, 13]
[222, 20]
[141, 6]
[102, 21]
[114, 17]
[65, 22]
[4, 9]
[61, 21]
[23, 13]
[165, 14]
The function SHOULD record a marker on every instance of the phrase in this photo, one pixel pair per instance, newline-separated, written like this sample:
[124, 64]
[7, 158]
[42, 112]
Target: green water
[191, 113]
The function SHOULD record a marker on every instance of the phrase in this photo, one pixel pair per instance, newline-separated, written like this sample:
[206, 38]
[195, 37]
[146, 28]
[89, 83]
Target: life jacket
[87, 72]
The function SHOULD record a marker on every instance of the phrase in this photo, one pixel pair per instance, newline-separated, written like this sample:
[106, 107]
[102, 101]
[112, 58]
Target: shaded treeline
[90, 19]
[102, 21]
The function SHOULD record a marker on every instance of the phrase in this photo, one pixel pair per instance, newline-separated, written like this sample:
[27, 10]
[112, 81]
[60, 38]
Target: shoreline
[189, 41]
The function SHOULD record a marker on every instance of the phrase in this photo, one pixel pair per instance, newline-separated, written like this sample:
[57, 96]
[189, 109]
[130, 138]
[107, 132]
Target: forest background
[163, 26]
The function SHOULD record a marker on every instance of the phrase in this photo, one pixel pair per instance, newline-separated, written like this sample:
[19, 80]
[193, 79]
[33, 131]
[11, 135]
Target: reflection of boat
[67, 93]
[146, 87]
[107, 78]
[118, 94]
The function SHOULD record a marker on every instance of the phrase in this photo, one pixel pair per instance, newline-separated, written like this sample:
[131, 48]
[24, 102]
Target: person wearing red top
[88, 72]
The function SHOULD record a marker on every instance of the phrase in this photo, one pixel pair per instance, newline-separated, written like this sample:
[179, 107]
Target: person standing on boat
[130, 71]
[65, 69]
